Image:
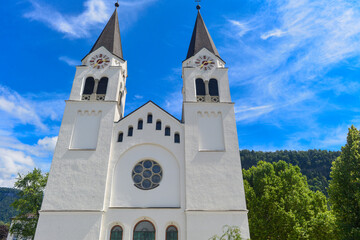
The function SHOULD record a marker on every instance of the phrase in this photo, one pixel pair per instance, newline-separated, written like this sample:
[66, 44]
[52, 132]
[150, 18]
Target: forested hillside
[314, 164]
[7, 196]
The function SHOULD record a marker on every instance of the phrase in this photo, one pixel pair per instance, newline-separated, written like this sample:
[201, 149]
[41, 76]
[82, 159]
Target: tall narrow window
[171, 233]
[167, 131]
[120, 137]
[200, 87]
[213, 87]
[116, 233]
[102, 86]
[140, 124]
[177, 138]
[130, 131]
[144, 230]
[89, 86]
[158, 125]
[149, 118]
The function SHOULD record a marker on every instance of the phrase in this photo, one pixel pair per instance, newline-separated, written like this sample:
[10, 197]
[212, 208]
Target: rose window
[147, 174]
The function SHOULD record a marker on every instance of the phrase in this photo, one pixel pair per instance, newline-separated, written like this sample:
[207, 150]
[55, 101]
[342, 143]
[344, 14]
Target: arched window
[102, 86]
[89, 86]
[149, 118]
[167, 131]
[120, 137]
[171, 233]
[116, 233]
[140, 124]
[177, 138]
[200, 87]
[213, 87]
[158, 125]
[130, 131]
[144, 230]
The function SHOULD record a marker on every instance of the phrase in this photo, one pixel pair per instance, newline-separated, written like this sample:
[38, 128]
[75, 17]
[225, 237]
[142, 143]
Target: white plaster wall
[213, 178]
[86, 130]
[203, 225]
[128, 218]
[68, 226]
[152, 144]
[77, 177]
[167, 194]
[210, 131]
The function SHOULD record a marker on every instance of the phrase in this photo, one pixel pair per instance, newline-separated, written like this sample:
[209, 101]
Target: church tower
[214, 183]
[146, 175]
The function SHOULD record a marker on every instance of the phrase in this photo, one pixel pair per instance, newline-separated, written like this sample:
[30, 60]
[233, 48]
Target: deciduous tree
[31, 188]
[281, 205]
[229, 233]
[344, 188]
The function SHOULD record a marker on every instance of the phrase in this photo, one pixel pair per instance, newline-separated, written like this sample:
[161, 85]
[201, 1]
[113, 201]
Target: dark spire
[110, 36]
[201, 38]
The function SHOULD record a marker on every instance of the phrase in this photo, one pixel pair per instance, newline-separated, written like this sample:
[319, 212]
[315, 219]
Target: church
[146, 175]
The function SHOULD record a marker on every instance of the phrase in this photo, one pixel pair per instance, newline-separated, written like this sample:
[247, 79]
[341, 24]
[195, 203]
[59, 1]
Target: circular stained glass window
[147, 174]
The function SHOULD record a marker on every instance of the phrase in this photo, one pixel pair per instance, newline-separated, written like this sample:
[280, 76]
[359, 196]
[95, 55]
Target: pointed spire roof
[110, 37]
[201, 38]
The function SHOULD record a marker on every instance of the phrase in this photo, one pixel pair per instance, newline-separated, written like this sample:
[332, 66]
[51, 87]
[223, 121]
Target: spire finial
[117, 4]
[198, 6]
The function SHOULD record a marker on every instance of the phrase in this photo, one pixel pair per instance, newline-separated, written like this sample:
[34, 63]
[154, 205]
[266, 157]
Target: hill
[314, 164]
[7, 196]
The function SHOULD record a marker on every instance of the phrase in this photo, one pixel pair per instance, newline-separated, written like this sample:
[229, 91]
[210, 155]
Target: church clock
[99, 61]
[205, 62]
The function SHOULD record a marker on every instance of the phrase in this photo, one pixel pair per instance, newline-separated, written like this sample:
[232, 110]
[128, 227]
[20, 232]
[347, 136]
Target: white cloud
[137, 97]
[16, 107]
[47, 144]
[38, 115]
[173, 104]
[69, 61]
[11, 163]
[304, 40]
[272, 33]
[242, 27]
[79, 26]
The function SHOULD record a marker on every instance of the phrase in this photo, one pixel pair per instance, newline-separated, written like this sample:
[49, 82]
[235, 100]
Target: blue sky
[293, 68]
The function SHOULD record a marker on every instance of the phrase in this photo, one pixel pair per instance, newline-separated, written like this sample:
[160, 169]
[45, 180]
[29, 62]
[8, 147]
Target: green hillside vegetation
[7, 197]
[314, 164]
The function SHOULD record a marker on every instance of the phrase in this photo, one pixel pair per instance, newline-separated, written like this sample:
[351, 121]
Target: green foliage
[7, 197]
[314, 164]
[281, 205]
[31, 188]
[344, 188]
[229, 233]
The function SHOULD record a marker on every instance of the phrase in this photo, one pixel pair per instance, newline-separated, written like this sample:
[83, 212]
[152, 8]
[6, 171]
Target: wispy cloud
[273, 33]
[173, 104]
[69, 61]
[39, 116]
[282, 61]
[315, 36]
[79, 26]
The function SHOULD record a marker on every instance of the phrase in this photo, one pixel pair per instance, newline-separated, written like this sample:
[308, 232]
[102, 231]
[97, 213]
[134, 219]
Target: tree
[281, 205]
[229, 233]
[31, 188]
[344, 188]
[4, 229]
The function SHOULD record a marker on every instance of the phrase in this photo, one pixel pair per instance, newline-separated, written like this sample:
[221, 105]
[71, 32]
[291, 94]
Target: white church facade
[147, 175]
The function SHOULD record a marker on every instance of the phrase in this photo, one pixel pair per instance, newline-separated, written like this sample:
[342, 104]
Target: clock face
[205, 62]
[99, 61]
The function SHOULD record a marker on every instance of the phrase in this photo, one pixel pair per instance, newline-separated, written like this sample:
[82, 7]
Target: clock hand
[203, 64]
